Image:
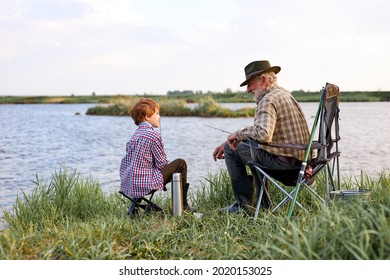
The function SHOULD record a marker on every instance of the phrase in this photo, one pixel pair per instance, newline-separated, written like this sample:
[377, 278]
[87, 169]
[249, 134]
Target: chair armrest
[314, 146]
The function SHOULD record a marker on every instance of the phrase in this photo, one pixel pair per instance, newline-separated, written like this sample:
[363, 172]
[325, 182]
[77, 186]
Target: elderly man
[278, 120]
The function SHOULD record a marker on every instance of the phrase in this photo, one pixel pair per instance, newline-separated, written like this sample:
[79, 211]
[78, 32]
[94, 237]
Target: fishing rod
[216, 128]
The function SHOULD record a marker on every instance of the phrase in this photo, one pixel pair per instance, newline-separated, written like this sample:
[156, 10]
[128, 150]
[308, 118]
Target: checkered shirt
[278, 119]
[140, 167]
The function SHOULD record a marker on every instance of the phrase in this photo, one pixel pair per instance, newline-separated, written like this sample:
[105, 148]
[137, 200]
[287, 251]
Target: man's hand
[232, 141]
[218, 152]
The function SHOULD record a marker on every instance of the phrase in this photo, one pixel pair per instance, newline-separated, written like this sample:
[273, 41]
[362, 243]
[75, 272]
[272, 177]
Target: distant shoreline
[230, 97]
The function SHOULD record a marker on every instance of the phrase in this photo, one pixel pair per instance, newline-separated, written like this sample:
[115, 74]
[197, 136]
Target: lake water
[39, 139]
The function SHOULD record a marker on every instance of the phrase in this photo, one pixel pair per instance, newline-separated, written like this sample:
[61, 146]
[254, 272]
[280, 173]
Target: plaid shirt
[278, 120]
[140, 168]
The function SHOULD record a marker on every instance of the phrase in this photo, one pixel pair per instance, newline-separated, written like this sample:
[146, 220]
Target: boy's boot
[186, 207]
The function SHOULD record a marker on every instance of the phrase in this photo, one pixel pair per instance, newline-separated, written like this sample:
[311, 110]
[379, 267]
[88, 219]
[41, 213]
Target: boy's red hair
[144, 107]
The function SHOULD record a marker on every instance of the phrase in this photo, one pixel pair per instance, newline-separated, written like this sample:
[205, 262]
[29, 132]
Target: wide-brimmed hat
[257, 68]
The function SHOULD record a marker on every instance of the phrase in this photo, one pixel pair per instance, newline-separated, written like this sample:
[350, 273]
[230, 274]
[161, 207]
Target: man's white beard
[257, 95]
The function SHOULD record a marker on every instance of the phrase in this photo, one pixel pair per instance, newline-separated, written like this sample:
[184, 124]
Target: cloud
[155, 46]
[44, 10]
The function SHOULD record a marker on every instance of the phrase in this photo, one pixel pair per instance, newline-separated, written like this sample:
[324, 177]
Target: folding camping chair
[143, 204]
[326, 159]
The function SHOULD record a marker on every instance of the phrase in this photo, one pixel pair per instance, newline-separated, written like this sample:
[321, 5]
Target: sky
[109, 47]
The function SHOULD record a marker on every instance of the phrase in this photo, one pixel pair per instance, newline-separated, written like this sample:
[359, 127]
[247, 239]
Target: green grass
[71, 218]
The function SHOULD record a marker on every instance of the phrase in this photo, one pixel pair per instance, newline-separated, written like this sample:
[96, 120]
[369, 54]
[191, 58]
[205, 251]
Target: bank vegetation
[71, 218]
[189, 97]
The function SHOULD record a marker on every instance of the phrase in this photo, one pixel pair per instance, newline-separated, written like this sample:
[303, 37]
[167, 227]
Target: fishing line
[216, 128]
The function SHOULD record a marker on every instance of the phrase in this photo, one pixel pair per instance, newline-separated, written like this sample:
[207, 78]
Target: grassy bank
[71, 218]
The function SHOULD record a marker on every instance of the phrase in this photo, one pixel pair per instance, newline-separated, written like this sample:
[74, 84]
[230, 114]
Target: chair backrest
[327, 117]
[328, 121]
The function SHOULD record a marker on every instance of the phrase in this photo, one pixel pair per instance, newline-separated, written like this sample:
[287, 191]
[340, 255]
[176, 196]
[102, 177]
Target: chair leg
[148, 204]
[156, 208]
[263, 199]
[267, 199]
[133, 209]
[288, 197]
[258, 202]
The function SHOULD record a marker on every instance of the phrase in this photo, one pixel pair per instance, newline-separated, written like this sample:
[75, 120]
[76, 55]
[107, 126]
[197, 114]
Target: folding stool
[142, 203]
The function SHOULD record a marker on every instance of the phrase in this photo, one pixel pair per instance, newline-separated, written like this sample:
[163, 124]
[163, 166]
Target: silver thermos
[177, 195]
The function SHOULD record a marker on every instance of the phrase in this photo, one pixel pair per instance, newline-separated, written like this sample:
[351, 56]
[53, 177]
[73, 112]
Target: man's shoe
[232, 209]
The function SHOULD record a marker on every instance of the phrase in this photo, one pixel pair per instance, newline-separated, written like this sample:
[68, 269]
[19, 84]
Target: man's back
[281, 116]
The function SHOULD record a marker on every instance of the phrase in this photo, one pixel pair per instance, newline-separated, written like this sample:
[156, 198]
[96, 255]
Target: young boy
[145, 166]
